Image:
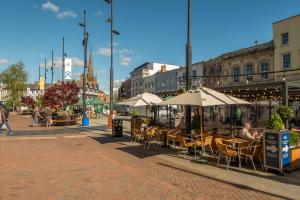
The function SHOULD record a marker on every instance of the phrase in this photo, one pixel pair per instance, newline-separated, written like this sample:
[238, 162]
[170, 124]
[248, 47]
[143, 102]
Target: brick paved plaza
[92, 165]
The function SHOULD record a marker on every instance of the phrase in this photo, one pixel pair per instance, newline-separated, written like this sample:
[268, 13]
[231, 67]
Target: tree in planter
[275, 122]
[286, 113]
[28, 101]
[61, 95]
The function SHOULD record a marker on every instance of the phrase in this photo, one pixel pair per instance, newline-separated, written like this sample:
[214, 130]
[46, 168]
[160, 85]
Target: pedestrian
[97, 111]
[35, 116]
[48, 115]
[4, 112]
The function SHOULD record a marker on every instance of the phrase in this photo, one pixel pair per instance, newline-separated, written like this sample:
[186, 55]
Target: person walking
[97, 111]
[4, 112]
[35, 116]
[48, 115]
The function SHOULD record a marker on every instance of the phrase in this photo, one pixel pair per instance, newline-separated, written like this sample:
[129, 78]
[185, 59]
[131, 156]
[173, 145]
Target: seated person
[245, 132]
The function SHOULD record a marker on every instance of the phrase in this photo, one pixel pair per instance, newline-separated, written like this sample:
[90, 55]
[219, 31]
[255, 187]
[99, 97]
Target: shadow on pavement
[107, 138]
[51, 131]
[226, 182]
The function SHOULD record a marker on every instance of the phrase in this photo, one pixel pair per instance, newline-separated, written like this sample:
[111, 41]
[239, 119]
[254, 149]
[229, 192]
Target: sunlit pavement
[89, 164]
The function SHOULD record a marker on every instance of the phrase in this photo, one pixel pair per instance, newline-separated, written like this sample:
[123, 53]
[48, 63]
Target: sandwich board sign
[276, 149]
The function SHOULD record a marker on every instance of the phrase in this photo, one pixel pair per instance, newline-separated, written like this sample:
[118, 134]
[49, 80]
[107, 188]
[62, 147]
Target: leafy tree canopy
[14, 78]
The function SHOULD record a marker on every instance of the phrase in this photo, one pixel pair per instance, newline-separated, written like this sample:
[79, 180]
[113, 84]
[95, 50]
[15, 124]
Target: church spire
[91, 77]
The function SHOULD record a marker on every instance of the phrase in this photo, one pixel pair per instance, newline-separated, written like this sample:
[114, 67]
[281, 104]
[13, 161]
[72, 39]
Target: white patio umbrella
[145, 99]
[203, 97]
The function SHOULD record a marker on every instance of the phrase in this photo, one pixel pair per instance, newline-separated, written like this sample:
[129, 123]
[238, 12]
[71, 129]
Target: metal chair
[227, 152]
[184, 143]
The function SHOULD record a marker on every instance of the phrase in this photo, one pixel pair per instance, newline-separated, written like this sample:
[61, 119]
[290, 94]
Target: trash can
[117, 128]
[85, 121]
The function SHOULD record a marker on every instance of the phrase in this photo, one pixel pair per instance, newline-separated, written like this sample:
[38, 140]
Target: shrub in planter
[295, 138]
[286, 113]
[275, 122]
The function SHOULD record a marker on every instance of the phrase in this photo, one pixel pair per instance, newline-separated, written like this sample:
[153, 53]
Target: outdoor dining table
[164, 131]
[236, 143]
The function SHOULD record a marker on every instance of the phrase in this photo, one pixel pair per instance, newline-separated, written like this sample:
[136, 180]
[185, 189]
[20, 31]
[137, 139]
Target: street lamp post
[188, 66]
[45, 71]
[63, 60]
[85, 41]
[112, 32]
[52, 65]
[39, 73]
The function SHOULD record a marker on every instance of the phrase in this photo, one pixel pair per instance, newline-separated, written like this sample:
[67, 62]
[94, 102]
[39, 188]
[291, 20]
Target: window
[236, 74]
[286, 59]
[264, 69]
[194, 74]
[183, 76]
[284, 38]
[249, 72]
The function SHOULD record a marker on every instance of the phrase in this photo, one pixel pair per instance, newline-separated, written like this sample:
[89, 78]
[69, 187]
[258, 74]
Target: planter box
[64, 120]
[136, 123]
[295, 158]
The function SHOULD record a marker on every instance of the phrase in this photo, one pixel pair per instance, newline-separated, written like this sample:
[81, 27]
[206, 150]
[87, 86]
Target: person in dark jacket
[4, 112]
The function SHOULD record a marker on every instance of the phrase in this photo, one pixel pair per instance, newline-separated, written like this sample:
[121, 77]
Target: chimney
[163, 68]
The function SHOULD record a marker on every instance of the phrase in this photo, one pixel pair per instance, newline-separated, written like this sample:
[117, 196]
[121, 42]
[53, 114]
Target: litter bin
[117, 127]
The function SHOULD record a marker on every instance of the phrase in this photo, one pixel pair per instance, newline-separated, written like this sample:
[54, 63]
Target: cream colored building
[286, 36]
[248, 66]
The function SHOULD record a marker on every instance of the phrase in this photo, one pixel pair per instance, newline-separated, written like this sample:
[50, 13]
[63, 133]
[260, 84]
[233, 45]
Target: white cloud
[77, 62]
[61, 14]
[125, 61]
[50, 7]
[104, 51]
[98, 13]
[65, 14]
[4, 61]
[126, 56]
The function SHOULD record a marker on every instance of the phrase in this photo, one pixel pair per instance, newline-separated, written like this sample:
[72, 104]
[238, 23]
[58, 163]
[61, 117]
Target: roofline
[286, 19]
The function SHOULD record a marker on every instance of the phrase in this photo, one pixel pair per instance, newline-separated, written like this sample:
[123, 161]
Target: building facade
[196, 74]
[139, 74]
[287, 48]
[166, 82]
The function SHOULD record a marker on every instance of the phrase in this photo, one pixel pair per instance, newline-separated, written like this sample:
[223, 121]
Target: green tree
[14, 78]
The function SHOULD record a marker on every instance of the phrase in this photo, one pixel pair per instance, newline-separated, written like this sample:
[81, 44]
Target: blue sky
[151, 30]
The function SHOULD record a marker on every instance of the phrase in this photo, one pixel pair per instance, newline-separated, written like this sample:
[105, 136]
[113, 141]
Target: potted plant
[295, 150]
[60, 97]
[275, 122]
[136, 121]
[286, 113]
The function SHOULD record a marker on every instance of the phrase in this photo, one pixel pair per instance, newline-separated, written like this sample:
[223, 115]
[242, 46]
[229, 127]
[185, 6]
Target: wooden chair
[252, 152]
[172, 136]
[150, 138]
[184, 143]
[227, 152]
[137, 135]
[205, 143]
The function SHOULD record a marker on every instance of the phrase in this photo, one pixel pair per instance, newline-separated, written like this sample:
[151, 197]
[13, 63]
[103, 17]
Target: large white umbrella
[203, 97]
[145, 99]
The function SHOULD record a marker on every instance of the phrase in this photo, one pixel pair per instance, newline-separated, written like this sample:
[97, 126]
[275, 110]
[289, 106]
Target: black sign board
[271, 145]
